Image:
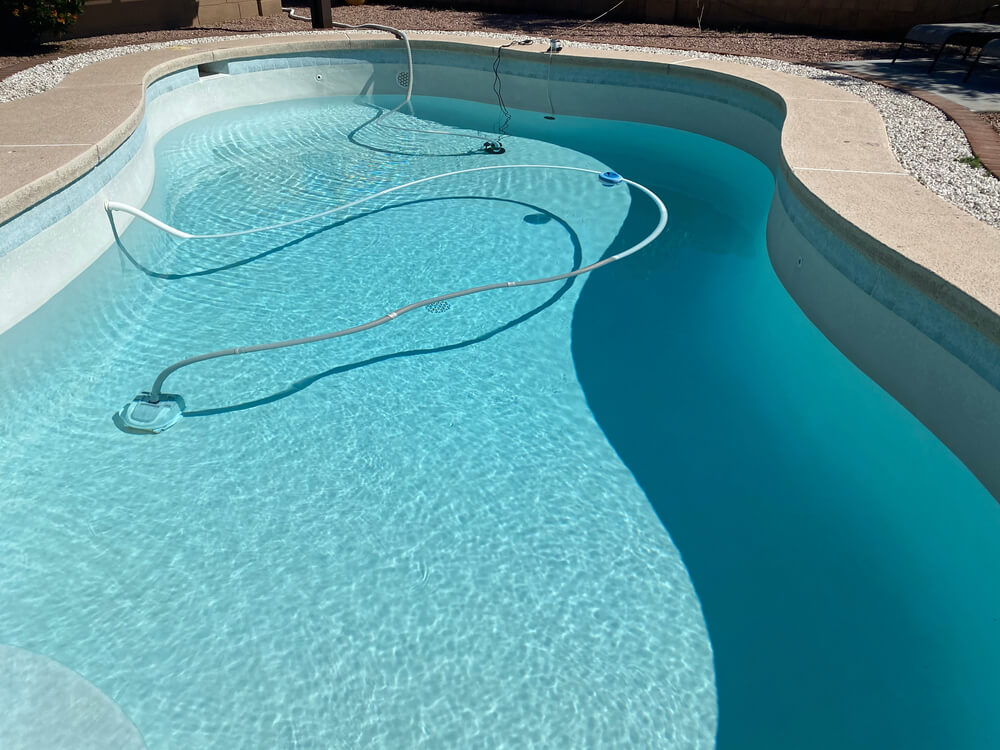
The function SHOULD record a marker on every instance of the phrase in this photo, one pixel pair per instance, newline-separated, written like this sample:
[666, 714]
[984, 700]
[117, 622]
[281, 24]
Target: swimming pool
[452, 531]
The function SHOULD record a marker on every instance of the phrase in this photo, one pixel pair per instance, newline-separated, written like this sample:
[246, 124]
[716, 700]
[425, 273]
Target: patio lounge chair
[941, 35]
[990, 49]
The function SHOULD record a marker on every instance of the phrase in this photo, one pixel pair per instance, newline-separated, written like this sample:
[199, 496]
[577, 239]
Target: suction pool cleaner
[148, 415]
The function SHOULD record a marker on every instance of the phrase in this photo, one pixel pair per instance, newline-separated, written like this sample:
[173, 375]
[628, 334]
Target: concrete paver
[980, 94]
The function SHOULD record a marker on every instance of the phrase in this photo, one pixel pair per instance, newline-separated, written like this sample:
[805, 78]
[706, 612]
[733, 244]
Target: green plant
[23, 21]
[971, 161]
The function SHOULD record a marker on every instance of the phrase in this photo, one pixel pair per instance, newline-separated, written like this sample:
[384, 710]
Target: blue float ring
[610, 178]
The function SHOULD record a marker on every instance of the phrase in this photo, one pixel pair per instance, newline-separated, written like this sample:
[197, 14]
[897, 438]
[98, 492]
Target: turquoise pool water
[415, 537]
[452, 531]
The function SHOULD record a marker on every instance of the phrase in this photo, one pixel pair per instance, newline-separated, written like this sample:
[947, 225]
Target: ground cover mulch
[789, 47]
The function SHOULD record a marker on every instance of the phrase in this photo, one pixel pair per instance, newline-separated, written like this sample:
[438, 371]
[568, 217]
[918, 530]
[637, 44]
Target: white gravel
[926, 143]
[42, 77]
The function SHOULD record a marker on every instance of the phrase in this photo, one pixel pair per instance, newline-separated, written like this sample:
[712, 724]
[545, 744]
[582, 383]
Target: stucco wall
[107, 16]
[214, 11]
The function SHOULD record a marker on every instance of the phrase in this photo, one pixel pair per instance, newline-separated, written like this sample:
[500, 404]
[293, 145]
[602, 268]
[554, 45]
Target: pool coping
[836, 155]
[983, 140]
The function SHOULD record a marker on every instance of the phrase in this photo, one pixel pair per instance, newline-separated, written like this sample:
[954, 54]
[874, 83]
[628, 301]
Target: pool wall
[924, 325]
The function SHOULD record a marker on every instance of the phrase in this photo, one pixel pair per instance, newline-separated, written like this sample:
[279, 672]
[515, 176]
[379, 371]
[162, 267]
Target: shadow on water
[821, 638]
[130, 257]
[354, 137]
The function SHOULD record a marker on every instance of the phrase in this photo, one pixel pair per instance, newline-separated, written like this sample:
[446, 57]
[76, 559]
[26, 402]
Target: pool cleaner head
[493, 147]
[610, 179]
[144, 416]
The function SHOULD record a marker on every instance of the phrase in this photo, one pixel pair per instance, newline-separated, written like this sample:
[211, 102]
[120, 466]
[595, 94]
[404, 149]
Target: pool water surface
[455, 530]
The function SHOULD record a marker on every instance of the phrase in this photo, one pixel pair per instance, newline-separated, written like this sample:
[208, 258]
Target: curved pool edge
[835, 152]
[923, 260]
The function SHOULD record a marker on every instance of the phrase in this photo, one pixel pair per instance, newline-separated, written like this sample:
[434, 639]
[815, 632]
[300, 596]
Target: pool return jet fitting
[154, 411]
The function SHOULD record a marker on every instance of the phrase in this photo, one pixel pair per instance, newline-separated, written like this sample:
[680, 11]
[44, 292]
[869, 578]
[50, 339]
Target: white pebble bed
[926, 143]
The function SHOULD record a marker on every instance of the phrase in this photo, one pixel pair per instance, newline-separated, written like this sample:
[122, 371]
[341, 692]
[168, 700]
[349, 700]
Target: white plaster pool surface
[428, 542]
[414, 537]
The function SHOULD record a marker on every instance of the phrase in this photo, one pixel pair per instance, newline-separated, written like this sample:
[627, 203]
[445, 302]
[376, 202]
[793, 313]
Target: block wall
[859, 16]
[862, 17]
[874, 17]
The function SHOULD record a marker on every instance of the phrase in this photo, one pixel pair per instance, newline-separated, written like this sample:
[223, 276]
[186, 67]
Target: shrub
[23, 21]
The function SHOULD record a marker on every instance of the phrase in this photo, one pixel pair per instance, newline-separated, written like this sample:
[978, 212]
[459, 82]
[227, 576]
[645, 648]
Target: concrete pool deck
[947, 90]
[981, 93]
[834, 144]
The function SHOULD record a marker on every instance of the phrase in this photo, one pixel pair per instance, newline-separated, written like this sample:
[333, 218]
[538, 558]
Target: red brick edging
[983, 139]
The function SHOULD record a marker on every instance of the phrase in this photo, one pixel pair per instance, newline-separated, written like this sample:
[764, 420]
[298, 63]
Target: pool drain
[403, 79]
[438, 307]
